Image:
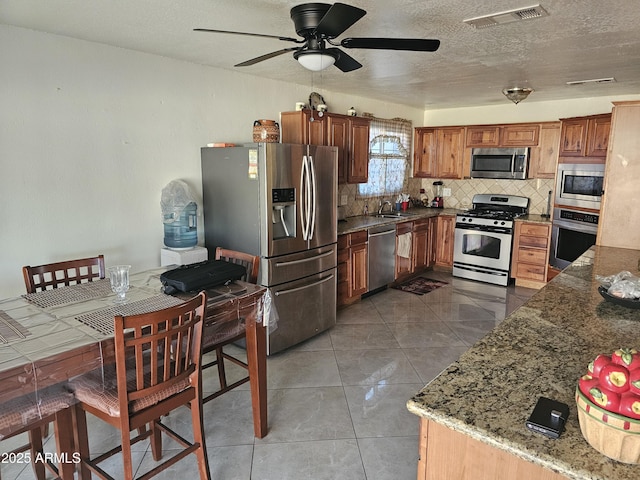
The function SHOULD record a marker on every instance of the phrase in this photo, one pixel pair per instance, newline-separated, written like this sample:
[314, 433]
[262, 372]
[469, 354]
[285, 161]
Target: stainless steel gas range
[484, 238]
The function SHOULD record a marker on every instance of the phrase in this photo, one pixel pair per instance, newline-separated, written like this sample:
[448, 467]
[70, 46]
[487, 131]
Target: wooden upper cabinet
[349, 134]
[515, 135]
[520, 135]
[573, 137]
[598, 129]
[585, 136]
[438, 152]
[358, 151]
[450, 143]
[543, 159]
[338, 136]
[483, 136]
[297, 127]
[424, 152]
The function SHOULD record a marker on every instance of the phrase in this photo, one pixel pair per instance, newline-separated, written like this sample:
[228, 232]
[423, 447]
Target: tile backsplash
[462, 192]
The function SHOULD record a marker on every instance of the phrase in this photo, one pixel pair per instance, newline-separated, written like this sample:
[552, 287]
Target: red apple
[630, 405]
[634, 381]
[586, 383]
[604, 398]
[627, 357]
[614, 377]
[599, 362]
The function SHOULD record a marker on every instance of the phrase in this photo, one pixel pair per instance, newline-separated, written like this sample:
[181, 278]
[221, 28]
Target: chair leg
[198, 437]
[221, 373]
[35, 440]
[127, 461]
[81, 439]
[156, 441]
[64, 442]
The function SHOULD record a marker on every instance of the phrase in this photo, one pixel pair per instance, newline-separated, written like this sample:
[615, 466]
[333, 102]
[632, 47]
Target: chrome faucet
[382, 205]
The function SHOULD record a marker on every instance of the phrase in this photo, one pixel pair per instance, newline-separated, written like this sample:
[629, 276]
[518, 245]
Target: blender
[438, 201]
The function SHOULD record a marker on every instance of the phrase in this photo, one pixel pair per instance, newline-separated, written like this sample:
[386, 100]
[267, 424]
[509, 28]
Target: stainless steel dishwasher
[382, 256]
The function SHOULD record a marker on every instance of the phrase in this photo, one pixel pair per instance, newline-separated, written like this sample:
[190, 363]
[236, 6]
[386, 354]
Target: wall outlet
[446, 192]
[343, 199]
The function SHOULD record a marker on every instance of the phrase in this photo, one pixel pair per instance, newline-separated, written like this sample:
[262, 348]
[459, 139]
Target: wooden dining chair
[47, 276]
[69, 272]
[30, 413]
[157, 370]
[221, 332]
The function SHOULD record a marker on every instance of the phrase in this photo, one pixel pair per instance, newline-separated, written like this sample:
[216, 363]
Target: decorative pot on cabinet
[266, 131]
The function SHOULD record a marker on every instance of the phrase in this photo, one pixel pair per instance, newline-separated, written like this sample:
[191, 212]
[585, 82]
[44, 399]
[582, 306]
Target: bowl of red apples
[608, 399]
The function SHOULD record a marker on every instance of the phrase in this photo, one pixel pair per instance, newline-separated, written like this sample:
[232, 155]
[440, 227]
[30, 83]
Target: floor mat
[420, 285]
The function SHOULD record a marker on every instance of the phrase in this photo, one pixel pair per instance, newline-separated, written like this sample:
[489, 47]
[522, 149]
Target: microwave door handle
[513, 165]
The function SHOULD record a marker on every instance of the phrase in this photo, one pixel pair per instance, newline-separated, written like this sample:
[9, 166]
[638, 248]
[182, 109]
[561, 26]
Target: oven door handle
[483, 228]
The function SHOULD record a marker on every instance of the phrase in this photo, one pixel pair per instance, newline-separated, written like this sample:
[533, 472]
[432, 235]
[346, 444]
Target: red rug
[420, 285]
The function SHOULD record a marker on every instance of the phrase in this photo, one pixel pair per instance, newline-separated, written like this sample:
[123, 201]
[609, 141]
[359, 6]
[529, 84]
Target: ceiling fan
[318, 24]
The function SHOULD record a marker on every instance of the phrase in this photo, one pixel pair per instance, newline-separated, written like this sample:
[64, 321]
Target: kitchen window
[389, 154]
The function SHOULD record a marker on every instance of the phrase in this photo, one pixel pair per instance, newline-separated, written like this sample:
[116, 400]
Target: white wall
[525, 111]
[90, 134]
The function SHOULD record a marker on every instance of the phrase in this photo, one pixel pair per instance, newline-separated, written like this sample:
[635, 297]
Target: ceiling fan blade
[411, 44]
[344, 62]
[338, 18]
[287, 39]
[267, 56]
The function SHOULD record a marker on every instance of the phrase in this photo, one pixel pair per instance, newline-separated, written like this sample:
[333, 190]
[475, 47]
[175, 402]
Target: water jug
[182, 232]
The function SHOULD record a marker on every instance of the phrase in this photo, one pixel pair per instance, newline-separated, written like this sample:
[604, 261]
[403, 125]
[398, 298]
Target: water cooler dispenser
[180, 220]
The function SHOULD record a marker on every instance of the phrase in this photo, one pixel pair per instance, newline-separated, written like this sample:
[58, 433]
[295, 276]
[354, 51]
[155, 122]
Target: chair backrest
[162, 350]
[250, 262]
[70, 272]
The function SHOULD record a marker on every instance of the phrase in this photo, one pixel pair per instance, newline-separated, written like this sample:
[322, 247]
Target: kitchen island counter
[541, 349]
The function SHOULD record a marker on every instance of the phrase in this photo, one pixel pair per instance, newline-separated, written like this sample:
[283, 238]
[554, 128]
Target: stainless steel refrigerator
[278, 201]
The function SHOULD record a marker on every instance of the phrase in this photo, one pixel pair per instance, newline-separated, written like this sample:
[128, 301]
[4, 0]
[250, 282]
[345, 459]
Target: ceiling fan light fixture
[517, 94]
[314, 61]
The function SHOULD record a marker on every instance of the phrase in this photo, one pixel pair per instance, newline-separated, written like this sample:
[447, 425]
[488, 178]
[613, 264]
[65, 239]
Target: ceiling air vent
[535, 11]
[594, 80]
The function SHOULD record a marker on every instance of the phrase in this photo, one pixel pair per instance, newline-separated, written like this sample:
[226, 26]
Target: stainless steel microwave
[580, 185]
[508, 163]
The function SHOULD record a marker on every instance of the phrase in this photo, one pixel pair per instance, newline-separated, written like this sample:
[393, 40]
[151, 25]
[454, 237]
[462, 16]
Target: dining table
[49, 337]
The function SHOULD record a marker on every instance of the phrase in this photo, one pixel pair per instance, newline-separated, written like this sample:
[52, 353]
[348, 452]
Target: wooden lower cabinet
[352, 267]
[444, 241]
[404, 264]
[420, 243]
[530, 259]
[421, 254]
[445, 454]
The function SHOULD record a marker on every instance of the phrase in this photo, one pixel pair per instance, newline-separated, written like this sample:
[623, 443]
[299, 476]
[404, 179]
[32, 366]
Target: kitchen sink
[393, 215]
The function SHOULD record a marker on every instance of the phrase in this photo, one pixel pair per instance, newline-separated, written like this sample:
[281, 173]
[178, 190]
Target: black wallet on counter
[548, 417]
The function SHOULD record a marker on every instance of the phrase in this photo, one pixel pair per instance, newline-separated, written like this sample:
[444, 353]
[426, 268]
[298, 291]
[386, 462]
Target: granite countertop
[363, 222]
[541, 349]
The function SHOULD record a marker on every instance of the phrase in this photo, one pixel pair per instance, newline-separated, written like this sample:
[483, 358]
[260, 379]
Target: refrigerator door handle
[297, 289]
[312, 194]
[304, 260]
[303, 200]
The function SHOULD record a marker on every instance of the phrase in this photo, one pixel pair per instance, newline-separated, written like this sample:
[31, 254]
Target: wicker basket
[613, 435]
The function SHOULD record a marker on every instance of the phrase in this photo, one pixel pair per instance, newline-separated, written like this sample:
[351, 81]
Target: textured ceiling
[579, 40]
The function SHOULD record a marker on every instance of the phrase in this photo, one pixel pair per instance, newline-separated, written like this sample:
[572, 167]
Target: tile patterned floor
[337, 402]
